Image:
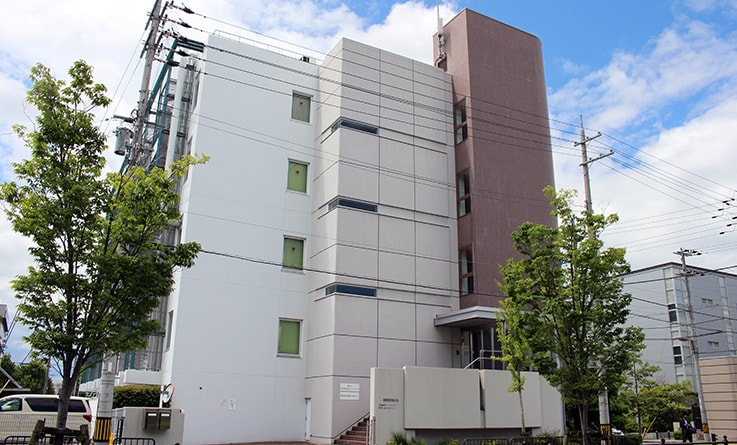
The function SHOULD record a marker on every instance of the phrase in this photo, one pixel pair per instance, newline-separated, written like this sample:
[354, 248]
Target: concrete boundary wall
[414, 399]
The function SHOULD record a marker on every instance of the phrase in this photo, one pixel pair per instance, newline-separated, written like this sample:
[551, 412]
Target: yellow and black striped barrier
[103, 426]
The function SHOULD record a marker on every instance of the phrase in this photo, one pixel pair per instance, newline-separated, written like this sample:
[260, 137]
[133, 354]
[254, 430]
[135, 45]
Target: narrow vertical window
[289, 337]
[460, 125]
[301, 107]
[293, 250]
[672, 313]
[169, 324]
[465, 270]
[297, 177]
[464, 194]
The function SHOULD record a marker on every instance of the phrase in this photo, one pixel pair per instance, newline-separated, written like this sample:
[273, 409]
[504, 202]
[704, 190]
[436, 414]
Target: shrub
[136, 395]
[546, 437]
[401, 439]
[398, 439]
[627, 439]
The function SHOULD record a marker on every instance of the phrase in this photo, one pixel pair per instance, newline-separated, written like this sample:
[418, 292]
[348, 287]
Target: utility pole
[605, 426]
[141, 117]
[585, 161]
[683, 253]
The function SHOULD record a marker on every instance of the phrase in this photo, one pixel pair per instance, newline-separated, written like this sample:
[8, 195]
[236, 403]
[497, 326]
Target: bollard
[662, 441]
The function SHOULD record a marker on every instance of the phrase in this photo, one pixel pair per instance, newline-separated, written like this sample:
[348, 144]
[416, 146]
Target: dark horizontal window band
[352, 204]
[350, 290]
[353, 125]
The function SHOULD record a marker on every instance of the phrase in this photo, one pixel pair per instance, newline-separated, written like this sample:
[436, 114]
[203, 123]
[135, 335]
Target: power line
[501, 134]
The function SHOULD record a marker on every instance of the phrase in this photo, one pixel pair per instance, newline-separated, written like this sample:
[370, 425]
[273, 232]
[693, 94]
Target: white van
[19, 413]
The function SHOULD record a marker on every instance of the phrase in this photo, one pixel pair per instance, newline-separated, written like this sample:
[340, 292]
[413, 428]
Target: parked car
[19, 413]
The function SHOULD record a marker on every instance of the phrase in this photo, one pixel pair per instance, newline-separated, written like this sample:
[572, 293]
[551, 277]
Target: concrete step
[350, 442]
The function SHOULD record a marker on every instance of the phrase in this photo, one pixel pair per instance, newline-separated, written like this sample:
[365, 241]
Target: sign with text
[349, 391]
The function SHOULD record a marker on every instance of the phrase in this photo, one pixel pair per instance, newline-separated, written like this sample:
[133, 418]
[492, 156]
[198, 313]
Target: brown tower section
[503, 153]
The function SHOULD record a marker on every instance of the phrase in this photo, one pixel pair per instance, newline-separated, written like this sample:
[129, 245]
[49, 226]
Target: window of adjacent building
[713, 344]
[677, 355]
[460, 125]
[465, 269]
[293, 251]
[289, 336]
[707, 302]
[301, 107]
[464, 193]
[297, 177]
[672, 313]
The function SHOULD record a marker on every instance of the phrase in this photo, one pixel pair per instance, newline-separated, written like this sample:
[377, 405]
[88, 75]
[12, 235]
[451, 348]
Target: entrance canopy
[468, 317]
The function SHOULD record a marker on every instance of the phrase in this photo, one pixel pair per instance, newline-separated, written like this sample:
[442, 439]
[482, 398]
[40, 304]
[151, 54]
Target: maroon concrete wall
[499, 70]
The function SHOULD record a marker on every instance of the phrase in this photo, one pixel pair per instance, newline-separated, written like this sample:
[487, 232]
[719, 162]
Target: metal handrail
[481, 357]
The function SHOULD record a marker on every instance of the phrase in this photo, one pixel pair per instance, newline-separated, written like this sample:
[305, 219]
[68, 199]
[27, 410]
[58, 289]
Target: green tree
[666, 403]
[6, 362]
[658, 404]
[624, 404]
[32, 376]
[98, 269]
[566, 291]
[35, 377]
[515, 349]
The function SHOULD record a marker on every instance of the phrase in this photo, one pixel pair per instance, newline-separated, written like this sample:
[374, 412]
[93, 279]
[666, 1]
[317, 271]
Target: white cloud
[667, 197]
[681, 62]
[676, 101]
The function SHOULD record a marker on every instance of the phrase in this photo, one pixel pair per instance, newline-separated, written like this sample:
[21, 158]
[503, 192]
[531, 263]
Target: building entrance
[485, 350]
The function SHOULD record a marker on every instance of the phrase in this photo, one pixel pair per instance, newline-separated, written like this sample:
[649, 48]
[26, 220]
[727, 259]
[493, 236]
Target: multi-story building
[662, 297]
[503, 163]
[659, 305]
[353, 215]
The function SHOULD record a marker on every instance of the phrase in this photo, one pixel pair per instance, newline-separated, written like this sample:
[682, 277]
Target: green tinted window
[289, 337]
[300, 107]
[293, 249]
[297, 177]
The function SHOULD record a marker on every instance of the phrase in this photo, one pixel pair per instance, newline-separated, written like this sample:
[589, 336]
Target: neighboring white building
[660, 307]
[329, 216]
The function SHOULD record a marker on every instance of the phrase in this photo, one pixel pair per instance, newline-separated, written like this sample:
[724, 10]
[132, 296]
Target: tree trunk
[522, 414]
[583, 414]
[61, 416]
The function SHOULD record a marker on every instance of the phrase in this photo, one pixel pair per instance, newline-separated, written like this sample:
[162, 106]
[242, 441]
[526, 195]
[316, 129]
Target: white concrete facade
[221, 350]
[225, 311]
[406, 249]
[467, 400]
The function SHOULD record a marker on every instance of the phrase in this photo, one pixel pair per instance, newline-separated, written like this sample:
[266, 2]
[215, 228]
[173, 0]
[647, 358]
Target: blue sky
[657, 78]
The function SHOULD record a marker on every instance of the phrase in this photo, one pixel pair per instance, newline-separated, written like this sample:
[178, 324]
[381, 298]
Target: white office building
[660, 307]
[329, 216]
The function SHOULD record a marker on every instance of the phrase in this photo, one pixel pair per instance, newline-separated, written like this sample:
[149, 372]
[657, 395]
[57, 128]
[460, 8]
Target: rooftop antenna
[441, 40]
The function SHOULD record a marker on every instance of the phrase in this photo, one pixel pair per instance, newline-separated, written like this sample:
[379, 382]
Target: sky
[657, 79]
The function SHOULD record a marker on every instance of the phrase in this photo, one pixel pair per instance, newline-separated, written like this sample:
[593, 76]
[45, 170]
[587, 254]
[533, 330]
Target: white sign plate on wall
[350, 391]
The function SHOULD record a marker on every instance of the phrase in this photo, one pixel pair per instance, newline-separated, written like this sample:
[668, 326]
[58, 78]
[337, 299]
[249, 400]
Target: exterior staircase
[357, 435]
